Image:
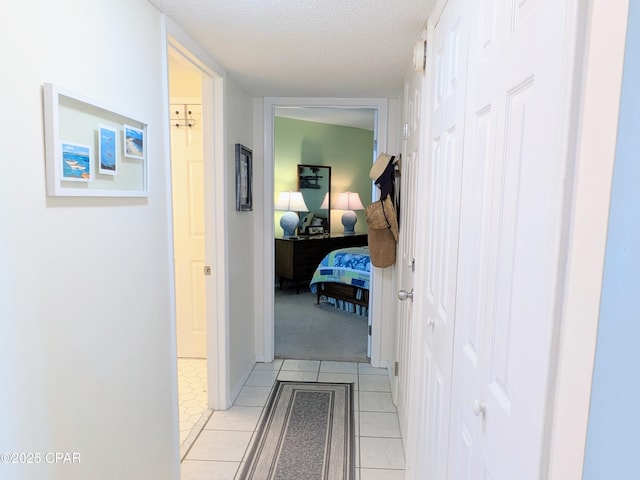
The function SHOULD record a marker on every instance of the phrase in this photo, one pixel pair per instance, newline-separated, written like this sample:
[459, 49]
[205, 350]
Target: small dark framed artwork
[244, 160]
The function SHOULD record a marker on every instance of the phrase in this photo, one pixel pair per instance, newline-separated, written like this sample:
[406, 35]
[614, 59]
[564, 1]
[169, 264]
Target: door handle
[479, 408]
[403, 295]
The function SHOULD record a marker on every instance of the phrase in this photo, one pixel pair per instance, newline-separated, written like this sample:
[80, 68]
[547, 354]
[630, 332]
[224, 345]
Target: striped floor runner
[306, 432]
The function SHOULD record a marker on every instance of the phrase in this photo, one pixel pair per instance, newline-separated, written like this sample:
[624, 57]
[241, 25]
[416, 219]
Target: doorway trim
[268, 265]
[594, 125]
[213, 85]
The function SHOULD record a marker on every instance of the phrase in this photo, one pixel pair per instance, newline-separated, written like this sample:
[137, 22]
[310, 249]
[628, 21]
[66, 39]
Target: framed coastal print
[76, 162]
[92, 150]
[134, 142]
[107, 150]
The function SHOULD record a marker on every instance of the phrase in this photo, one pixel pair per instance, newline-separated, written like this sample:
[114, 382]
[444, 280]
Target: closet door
[413, 107]
[516, 128]
[439, 213]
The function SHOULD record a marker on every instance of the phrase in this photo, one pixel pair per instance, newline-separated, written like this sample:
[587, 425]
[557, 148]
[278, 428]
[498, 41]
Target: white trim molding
[597, 91]
[213, 115]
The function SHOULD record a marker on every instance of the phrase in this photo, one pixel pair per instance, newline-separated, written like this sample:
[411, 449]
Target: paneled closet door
[438, 217]
[516, 126]
[413, 107]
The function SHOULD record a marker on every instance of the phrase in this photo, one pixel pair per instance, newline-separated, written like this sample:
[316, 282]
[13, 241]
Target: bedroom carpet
[307, 331]
[306, 432]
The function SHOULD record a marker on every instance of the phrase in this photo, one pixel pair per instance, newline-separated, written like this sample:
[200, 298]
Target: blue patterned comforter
[351, 266]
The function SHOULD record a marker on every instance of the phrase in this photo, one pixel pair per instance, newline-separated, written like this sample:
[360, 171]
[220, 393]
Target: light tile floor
[192, 394]
[220, 447]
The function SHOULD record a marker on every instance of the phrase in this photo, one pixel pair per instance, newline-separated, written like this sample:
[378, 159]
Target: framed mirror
[314, 182]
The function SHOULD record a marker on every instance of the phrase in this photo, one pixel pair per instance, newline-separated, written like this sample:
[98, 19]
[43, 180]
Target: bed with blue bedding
[342, 279]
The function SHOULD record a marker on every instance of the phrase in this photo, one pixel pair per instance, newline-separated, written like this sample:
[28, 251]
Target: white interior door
[188, 225]
[509, 237]
[413, 105]
[440, 203]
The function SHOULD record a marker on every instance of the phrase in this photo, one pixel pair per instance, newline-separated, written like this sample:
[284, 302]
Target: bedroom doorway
[285, 335]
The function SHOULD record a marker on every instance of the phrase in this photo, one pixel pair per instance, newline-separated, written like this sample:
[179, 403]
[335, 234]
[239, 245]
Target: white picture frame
[72, 119]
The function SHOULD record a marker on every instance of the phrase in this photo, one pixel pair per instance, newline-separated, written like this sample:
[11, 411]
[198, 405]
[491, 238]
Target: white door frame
[599, 69]
[266, 336]
[214, 208]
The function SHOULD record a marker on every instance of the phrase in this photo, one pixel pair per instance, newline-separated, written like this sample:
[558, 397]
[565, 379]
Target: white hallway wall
[86, 341]
[239, 123]
[612, 444]
[87, 336]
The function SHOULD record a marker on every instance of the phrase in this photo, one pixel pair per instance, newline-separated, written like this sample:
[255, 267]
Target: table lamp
[290, 202]
[349, 201]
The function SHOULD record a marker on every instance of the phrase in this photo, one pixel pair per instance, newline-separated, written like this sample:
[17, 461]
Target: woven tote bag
[383, 232]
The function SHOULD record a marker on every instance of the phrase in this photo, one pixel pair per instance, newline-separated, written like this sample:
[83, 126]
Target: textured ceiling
[314, 48]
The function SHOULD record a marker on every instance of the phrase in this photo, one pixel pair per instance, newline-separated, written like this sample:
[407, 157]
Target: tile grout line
[255, 427]
[208, 415]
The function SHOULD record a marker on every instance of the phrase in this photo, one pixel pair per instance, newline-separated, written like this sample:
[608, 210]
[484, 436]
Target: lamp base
[289, 223]
[349, 219]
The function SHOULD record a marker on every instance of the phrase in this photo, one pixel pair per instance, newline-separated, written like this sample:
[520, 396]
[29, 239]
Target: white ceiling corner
[307, 48]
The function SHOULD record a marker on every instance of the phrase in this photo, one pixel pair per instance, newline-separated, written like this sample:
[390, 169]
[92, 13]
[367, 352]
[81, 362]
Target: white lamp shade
[325, 202]
[348, 201]
[291, 202]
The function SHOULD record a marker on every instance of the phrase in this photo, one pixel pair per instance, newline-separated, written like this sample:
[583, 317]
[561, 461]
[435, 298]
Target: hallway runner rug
[306, 432]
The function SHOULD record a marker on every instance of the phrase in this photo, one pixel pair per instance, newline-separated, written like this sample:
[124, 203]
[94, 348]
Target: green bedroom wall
[347, 150]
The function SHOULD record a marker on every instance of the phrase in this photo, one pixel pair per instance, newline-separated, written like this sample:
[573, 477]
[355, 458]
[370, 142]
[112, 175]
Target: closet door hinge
[369, 330]
[405, 131]
[396, 369]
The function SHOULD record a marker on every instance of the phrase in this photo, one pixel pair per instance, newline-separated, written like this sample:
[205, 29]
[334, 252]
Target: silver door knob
[479, 408]
[403, 295]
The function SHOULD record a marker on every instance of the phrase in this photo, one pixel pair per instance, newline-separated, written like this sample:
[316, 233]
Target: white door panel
[509, 238]
[189, 237]
[440, 208]
[444, 171]
[489, 237]
[406, 247]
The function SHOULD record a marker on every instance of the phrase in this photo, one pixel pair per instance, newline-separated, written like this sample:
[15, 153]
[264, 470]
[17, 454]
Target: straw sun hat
[379, 166]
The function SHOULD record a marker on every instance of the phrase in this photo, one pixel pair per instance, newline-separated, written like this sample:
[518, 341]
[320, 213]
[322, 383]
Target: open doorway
[204, 81]
[379, 311]
[187, 186]
[321, 153]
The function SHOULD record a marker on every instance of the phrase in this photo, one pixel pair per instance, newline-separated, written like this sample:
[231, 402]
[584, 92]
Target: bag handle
[385, 214]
